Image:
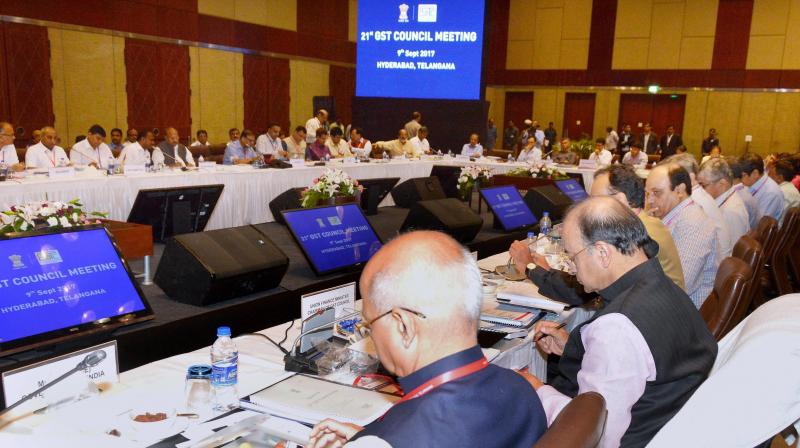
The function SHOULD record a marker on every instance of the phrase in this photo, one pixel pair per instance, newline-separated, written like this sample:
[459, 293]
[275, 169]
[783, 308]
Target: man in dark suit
[626, 139]
[172, 152]
[710, 142]
[670, 142]
[649, 140]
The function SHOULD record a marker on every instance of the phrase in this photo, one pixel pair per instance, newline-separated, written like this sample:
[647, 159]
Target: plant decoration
[539, 171]
[46, 214]
[583, 147]
[469, 176]
[332, 184]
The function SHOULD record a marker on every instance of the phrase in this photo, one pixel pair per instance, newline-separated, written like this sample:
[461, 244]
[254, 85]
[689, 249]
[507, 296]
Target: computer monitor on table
[509, 209]
[174, 211]
[333, 238]
[573, 189]
[375, 191]
[63, 284]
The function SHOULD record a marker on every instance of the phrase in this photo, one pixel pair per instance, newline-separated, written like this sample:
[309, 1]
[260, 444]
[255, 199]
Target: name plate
[462, 158]
[207, 167]
[350, 160]
[137, 168]
[61, 172]
[297, 163]
[587, 164]
[340, 299]
[18, 383]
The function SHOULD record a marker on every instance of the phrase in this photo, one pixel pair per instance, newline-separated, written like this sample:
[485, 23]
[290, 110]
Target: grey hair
[437, 283]
[716, 168]
[686, 160]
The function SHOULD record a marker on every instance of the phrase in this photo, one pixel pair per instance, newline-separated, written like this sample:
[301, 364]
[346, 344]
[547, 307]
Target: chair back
[743, 402]
[765, 233]
[730, 288]
[783, 250]
[579, 425]
[750, 251]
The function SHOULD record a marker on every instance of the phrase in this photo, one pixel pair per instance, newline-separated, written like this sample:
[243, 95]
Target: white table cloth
[245, 199]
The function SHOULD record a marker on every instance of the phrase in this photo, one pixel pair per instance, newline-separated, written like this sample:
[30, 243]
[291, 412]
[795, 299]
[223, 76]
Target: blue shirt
[235, 149]
[472, 151]
[493, 407]
[769, 196]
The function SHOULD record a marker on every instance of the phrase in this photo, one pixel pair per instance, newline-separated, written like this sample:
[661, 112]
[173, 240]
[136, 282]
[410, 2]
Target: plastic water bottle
[545, 224]
[531, 239]
[450, 153]
[200, 159]
[224, 371]
[385, 156]
[510, 158]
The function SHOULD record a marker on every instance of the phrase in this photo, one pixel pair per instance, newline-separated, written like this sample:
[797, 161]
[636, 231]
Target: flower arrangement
[333, 183]
[539, 171]
[469, 176]
[46, 214]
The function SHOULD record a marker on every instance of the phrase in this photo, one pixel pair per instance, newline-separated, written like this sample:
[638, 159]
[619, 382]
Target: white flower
[52, 221]
[65, 222]
[462, 179]
[24, 226]
[75, 216]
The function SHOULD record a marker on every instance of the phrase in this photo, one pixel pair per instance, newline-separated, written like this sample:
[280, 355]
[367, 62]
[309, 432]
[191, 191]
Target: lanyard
[446, 377]
[53, 152]
[676, 212]
[764, 181]
[731, 193]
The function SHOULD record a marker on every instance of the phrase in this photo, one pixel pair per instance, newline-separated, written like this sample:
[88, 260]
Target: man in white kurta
[92, 150]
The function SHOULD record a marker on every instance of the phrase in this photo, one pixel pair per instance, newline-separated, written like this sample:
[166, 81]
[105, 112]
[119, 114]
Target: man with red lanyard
[92, 150]
[422, 300]
[46, 154]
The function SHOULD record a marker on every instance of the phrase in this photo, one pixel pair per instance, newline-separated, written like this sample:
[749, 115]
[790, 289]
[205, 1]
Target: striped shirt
[695, 236]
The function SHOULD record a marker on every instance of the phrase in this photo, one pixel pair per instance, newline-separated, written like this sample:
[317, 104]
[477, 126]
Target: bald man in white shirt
[46, 154]
[8, 152]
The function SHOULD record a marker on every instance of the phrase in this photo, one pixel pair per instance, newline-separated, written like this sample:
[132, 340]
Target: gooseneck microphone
[91, 360]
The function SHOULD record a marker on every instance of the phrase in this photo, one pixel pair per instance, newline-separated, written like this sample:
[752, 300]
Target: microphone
[303, 363]
[91, 360]
[181, 162]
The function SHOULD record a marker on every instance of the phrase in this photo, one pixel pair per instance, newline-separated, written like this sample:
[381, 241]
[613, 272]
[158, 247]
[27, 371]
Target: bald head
[429, 272]
[48, 137]
[172, 136]
[6, 134]
[423, 293]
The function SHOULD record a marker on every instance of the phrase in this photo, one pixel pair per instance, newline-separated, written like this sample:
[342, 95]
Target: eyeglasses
[570, 261]
[365, 328]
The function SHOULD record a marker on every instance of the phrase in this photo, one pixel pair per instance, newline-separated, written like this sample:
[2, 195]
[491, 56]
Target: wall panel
[308, 79]
[219, 90]
[343, 88]
[28, 86]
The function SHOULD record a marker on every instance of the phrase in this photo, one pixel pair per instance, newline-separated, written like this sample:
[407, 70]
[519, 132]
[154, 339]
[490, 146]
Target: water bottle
[224, 371]
[545, 224]
[385, 156]
[200, 159]
[148, 161]
[531, 239]
[110, 167]
[510, 158]
[450, 153]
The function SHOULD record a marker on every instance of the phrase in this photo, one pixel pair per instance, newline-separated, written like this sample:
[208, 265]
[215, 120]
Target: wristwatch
[529, 268]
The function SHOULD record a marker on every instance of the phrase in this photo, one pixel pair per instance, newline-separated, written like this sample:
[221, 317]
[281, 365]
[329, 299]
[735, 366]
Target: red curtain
[342, 85]
[266, 93]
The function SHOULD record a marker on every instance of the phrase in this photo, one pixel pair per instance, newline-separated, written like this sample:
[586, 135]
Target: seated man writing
[646, 351]
[422, 300]
[395, 148]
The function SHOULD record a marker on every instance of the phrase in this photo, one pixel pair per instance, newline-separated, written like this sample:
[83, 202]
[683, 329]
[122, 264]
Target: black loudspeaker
[209, 267]
[288, 200]
[450, 216]
[548, 198]
[417, 189]
[448, 177]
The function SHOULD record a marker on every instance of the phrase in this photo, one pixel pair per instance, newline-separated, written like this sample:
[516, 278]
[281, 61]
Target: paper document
[527, 294]
[310, 400]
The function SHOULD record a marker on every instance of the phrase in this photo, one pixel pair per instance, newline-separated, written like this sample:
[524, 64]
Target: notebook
[507, 315]
[527, 294]
[310, 399]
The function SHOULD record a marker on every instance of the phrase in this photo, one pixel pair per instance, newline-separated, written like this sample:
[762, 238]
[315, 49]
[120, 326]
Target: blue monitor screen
[57, 281]
[430, 49]
[509, 207]
[333, 238]
[573, 189]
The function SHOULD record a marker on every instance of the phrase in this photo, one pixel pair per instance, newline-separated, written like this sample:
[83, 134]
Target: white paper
[137, 168]
[61, 172]
[341, 298]
[207, 167]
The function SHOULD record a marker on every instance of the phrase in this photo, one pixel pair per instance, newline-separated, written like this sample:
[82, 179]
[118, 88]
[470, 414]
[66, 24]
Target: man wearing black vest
[646, 351]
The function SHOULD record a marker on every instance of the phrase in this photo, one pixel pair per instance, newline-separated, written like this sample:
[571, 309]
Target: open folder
[527, 294]
[310, 399]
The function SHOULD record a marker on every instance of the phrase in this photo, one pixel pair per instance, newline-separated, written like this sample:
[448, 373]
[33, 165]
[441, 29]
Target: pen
[560, 326]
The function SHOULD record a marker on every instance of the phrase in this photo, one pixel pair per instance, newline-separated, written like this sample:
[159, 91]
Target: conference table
[160, 385]
[247, 191]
